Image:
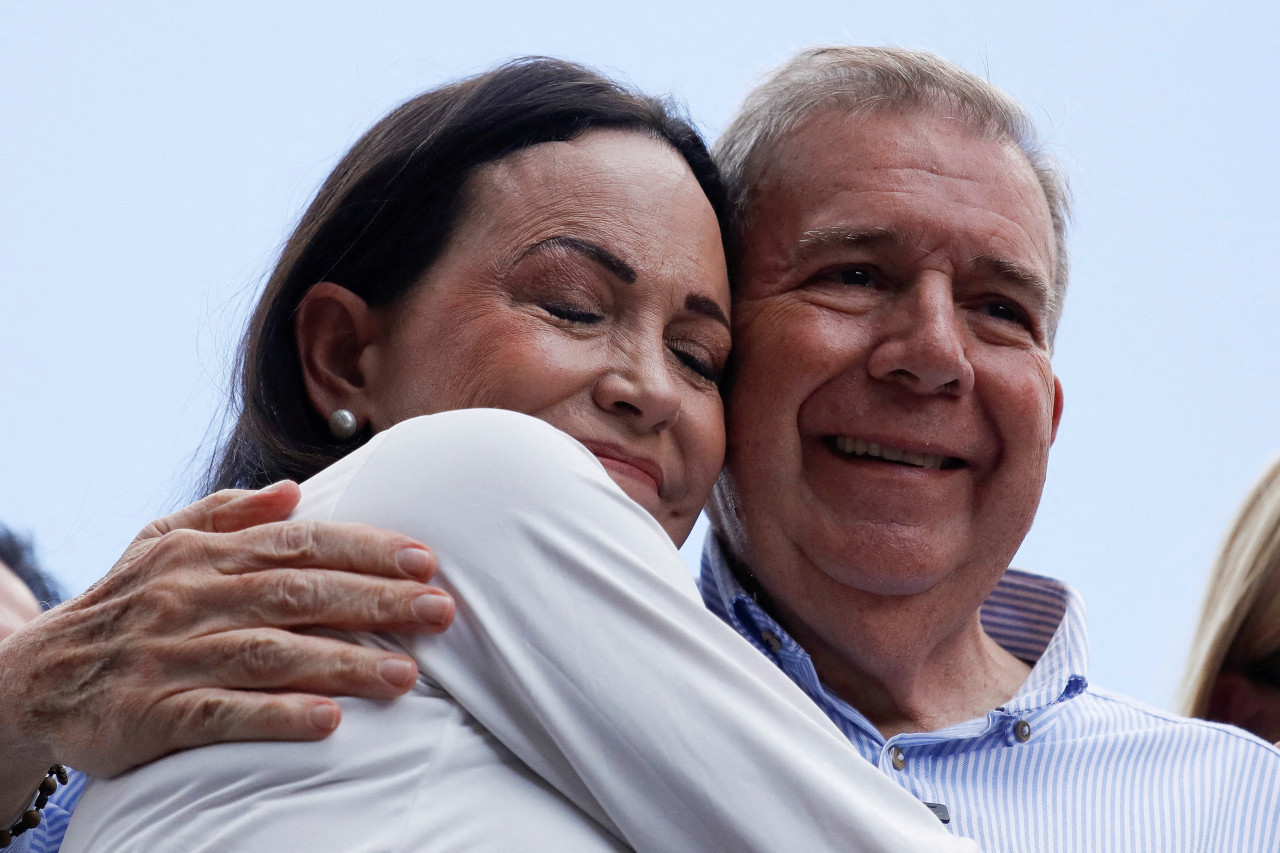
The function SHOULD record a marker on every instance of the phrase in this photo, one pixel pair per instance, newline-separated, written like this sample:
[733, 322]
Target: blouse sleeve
[581, 642]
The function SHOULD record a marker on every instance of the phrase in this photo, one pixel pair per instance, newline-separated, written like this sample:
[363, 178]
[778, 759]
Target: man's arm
[188, 641]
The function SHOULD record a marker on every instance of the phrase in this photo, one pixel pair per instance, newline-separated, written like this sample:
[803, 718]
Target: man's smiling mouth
[858, 449]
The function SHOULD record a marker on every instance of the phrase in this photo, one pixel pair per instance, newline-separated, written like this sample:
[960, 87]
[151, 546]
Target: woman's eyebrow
[599, 254]
[707, 307]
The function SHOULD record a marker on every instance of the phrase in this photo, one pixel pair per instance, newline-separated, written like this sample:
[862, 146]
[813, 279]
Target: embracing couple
[503, 329]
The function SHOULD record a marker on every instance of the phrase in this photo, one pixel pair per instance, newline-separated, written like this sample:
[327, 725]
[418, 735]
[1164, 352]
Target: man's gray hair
[875, 79]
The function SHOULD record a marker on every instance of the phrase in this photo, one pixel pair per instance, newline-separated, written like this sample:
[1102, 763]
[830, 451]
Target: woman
[538, 240]
[1234, 673]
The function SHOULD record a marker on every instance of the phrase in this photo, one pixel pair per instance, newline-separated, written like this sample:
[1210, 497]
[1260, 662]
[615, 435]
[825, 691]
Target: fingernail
[278, 484]
[415, 562]
[325, 717]
[434, 609]
[397, 672]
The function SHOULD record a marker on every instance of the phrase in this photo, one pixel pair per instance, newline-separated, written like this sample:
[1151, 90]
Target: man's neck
[900, 687]
[906, 663]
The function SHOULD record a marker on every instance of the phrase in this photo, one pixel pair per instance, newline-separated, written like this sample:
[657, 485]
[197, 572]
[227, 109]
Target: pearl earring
[343, 424]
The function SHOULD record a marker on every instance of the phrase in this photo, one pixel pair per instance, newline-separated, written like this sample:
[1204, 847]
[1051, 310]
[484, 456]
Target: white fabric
[583, 699]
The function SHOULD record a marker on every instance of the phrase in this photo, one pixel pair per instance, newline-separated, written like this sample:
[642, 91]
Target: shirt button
[899, 760]
[1022, 731]
[771, 640]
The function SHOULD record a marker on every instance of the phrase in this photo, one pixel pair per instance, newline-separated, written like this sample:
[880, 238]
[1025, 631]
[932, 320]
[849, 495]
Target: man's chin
[892, 565]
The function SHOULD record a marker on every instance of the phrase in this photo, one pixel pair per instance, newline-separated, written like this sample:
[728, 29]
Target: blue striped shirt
[1062, 766]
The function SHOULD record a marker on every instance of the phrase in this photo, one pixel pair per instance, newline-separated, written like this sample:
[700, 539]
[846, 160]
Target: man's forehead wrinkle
[814, 241]
[837, 235]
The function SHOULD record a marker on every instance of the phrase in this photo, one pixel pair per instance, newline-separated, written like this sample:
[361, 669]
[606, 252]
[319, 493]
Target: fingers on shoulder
[333, 546]
[279, 660]
[239, 696]
[213, 715]
[229, 510]
[290, 598]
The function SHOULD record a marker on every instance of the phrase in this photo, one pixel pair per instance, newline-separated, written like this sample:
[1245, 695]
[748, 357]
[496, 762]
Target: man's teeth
[857, 447]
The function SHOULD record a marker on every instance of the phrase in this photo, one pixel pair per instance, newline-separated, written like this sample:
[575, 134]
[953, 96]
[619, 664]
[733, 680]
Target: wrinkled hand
[187, 639]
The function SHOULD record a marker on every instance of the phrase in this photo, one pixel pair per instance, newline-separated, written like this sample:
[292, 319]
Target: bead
[31, 817]
[343, 424]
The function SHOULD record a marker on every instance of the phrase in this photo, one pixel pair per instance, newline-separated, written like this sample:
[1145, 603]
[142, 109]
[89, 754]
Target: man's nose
[639, 386]
[922, 345]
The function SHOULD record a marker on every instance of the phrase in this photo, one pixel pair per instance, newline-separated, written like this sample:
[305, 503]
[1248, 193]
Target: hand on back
[191, 637]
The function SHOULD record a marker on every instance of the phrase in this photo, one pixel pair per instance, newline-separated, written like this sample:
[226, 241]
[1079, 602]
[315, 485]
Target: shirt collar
[1037, 619]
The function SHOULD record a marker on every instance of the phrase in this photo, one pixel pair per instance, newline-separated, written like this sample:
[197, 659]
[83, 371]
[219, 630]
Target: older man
[900, 279]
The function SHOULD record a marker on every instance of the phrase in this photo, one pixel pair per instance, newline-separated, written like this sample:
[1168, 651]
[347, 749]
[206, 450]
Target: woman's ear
[334, 327]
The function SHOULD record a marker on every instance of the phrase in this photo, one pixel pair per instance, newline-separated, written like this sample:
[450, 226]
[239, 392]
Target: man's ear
[1057, 407]
[334, 329]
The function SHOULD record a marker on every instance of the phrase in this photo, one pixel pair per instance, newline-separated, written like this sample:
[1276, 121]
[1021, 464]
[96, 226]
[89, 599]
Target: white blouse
[582, 700]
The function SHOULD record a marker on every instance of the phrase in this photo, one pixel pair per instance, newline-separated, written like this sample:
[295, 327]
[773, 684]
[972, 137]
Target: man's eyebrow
[599, 254]
[707, 307]
[1021, 276]
[816, 240]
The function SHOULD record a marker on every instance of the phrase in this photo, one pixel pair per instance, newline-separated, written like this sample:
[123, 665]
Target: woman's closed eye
[697, 360]
[571, 312]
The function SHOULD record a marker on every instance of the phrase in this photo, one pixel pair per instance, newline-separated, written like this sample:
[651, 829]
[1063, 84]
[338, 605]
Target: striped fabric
[1063, 766]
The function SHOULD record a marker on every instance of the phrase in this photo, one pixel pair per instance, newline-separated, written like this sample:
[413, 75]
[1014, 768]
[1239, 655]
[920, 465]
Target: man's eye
[571, 313]
[854, 277]
[1008, 311]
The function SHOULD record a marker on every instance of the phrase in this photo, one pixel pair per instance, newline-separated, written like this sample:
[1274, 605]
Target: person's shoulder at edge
[1130, 713]
[1125, 714]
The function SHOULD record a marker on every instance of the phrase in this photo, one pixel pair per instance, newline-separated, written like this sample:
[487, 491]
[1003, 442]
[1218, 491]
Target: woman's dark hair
[384, 215]
[18, 554]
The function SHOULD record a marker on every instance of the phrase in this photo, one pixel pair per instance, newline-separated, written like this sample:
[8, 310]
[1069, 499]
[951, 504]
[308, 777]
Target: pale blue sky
[155, 155]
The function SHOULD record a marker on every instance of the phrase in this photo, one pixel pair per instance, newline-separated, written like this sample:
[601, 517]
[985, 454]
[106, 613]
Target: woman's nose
[642, 390]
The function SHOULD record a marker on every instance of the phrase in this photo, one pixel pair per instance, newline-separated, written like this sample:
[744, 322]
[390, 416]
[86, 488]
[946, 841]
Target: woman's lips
[640, 469]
